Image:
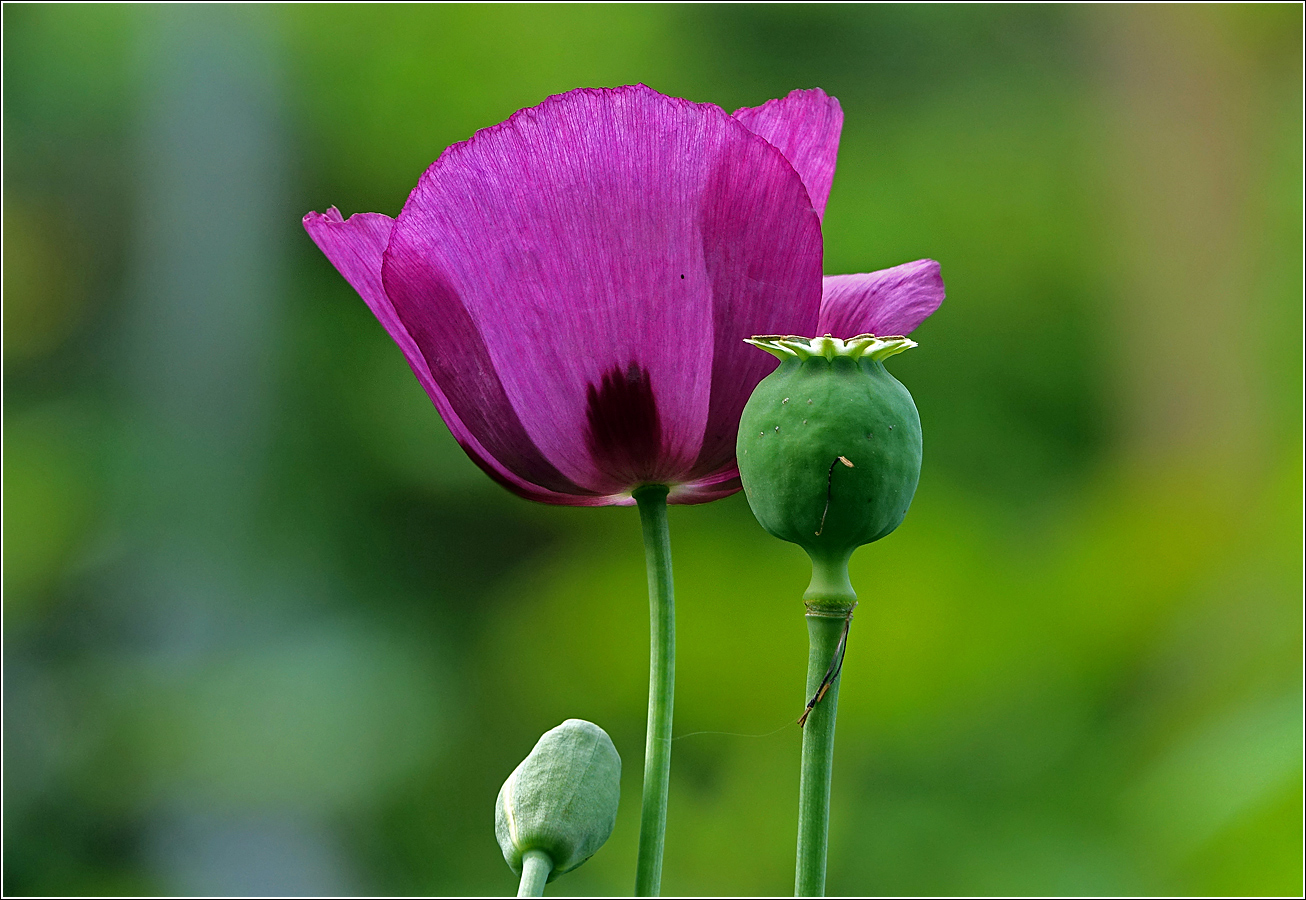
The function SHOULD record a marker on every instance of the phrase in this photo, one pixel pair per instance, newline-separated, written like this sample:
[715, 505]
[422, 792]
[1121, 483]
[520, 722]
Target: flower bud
[561, 799]
[829, 451]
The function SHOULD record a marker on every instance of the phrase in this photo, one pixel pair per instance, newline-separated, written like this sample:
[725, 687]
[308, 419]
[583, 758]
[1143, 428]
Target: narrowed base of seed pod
[830, 590]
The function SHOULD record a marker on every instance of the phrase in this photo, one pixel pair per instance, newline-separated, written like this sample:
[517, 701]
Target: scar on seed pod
[829, 487]
[784, 401]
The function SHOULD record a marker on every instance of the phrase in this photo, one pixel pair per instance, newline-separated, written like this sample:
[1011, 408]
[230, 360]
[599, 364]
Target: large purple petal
[805, 127]
[599, 259]
[745, 296]
[887, 302]
[709, 488]
[355, 247]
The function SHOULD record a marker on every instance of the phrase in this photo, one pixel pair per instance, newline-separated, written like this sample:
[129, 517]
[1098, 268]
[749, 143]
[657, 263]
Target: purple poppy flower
[572, 287]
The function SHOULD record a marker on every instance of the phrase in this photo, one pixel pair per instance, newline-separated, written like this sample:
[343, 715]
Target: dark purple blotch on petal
[625, 430]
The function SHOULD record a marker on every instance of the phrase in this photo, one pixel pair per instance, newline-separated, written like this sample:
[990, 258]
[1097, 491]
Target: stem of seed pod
[652, 500]
[535, 868]
[827, 640]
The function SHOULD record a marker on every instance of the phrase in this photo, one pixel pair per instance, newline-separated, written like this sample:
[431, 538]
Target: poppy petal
[355, 247]
[592, 258]
[888, 302]
[805, 127]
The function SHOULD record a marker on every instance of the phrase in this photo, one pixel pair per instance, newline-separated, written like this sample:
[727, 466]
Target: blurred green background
[267, 630]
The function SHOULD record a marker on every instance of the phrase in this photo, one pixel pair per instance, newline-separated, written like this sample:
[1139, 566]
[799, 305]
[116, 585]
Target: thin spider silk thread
[791, 722]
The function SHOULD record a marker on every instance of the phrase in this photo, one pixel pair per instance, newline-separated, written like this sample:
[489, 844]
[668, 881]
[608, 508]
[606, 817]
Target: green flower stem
[824, 628]
[652, 500]
[535, 868]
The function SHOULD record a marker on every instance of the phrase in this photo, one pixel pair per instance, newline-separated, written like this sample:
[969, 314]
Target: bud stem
[824, 630]
[652, 500]
[535, 868]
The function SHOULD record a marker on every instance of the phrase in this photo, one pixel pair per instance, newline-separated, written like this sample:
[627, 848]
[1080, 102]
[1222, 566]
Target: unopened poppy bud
[829, 451]
[561, 800]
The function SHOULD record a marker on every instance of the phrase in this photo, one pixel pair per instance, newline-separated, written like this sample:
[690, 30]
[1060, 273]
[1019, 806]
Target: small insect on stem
[829, 486]
[836, 666]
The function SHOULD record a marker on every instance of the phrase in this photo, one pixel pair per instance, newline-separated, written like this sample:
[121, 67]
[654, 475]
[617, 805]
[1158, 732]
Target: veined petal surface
[888, 302]
[805, 127]
[355, 247]
[596, 262]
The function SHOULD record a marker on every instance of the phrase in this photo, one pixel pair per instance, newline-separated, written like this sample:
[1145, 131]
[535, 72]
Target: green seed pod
[829, 451]
[561, 799]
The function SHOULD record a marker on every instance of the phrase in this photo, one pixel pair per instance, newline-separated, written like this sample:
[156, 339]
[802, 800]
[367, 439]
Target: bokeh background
[267, 630]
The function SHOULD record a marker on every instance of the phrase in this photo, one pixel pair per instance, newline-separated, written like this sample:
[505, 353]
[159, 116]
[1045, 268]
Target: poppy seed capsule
[561, 799]
[838, 468]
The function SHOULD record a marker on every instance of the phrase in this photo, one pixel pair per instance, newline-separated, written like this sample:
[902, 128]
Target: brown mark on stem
[836, 662]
